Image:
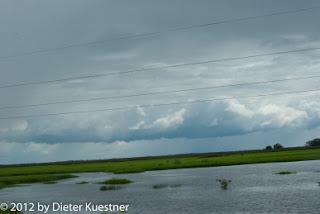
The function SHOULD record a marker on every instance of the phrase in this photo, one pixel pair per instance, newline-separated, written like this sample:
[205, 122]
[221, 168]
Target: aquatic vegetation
[109, 188]
[10, 212]
[285, 173]
[12, 175]
[175, 185]
[82, 182]
[9, 181]
[50, 182]
[224, 183]
[116, 181]
[161, 186]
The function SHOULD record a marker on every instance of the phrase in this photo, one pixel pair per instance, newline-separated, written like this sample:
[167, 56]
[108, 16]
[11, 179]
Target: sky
[223, 125]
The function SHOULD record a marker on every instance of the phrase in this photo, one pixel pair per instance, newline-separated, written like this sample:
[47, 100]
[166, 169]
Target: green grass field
[12, 175]
[9, 212]
[7, 181]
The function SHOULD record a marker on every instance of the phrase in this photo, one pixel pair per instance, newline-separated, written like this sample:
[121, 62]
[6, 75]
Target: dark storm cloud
[28, 26]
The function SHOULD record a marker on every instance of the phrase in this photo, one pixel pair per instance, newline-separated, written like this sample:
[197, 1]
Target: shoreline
[14, 175]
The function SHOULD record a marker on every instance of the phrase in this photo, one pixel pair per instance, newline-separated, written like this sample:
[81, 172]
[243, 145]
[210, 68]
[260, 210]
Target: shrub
[268, 148]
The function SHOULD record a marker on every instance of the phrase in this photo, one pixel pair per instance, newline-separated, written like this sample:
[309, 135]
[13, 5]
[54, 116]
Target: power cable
[91, 76]
[160, 92]
[160, 104]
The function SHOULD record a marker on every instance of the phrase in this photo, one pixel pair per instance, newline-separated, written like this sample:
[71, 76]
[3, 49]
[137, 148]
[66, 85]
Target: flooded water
[253, 189]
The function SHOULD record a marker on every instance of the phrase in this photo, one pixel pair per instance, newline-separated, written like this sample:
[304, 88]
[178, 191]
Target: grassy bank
[25, 174]
[9, 212]
[7, 181]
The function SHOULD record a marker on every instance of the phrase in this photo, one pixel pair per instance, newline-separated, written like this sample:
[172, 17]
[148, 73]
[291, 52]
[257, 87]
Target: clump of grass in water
[285, 173]
[50, 182]
[175, 185]
[116, 181]
[161, 186]
[224, 183]
[108, 188]
[82, 182]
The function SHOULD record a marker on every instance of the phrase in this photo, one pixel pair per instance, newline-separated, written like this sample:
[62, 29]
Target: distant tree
[268, 148]
[314, 142]
[277, 146]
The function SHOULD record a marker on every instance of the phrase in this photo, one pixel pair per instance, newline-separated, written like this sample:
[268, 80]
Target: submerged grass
[285, 173]
[10, 212]
[117, 181]
[82, 182]
[9, 181]
[49, 182]
[161, 186]
[109, 188]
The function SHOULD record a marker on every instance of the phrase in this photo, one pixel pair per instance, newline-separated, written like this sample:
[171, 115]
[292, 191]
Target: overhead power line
[160, 92]
[154, 33]
[160, 104]
[92, 76]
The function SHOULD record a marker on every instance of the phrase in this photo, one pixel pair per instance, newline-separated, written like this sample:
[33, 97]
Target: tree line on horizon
[314, 142]
[278, 146]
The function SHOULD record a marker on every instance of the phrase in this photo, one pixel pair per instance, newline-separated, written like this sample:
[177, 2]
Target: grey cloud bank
[220, 119]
